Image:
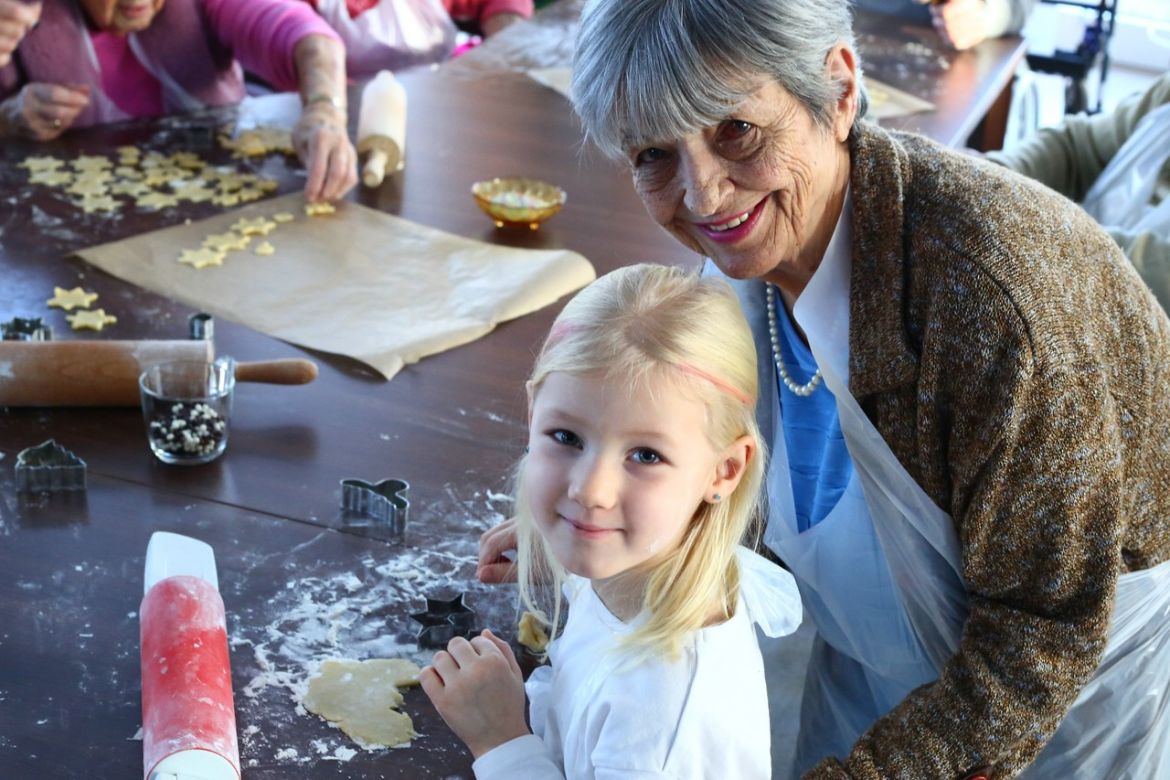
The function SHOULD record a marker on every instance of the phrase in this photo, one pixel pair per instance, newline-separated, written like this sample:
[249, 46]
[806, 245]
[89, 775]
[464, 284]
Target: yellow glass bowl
[518, 202]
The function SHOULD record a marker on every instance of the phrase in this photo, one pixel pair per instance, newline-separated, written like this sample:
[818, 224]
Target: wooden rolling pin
[381, 127]
[105, 373]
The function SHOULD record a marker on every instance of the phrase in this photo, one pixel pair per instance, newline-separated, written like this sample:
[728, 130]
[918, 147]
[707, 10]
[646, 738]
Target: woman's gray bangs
[652, 70]
[640, 78]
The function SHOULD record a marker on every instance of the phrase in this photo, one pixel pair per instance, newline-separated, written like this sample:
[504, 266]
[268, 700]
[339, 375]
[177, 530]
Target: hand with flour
[478, 689]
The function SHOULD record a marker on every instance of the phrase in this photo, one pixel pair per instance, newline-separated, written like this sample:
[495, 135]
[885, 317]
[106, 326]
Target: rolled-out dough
[361, 698]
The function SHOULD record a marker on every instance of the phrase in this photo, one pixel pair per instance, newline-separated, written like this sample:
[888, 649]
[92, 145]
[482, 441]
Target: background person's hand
[493, 543]
[322, 143]
[43, 111]
[961, 23]
[16, 19]
[478, 689]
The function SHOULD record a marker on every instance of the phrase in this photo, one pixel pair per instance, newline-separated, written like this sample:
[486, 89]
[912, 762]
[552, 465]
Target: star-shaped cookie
[69, 300]
[264, 249]
[225, 242]
[321, 207]
[157, 200]
[201, 258]
[91, 320]
[254, 227]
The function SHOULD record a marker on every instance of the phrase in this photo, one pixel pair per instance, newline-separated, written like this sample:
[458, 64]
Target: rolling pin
[382, 127]
[105, 373]
[188, 714]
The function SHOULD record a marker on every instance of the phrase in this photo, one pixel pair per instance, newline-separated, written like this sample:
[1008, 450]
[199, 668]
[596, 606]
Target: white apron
[1120, 197]
[880, 576]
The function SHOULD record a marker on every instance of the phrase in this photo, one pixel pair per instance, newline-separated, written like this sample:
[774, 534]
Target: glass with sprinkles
[187, 406]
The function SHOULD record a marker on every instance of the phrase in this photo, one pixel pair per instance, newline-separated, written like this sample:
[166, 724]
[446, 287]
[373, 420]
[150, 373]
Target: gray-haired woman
[965, 387]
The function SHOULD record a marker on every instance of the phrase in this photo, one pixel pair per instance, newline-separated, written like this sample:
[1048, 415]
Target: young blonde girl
[641, 479]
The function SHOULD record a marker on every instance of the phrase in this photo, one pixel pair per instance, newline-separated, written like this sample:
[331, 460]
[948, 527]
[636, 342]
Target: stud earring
[716, 498]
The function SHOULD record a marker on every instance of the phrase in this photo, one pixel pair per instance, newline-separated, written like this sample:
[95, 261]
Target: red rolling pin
[188, 716]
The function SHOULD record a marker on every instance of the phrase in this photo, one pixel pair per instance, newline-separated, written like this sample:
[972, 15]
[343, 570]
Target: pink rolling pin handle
[188, 717]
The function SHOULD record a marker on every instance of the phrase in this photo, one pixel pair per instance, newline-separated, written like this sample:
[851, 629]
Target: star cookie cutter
[384, 503]
[26, 329]
[49, 467]
[443, 620]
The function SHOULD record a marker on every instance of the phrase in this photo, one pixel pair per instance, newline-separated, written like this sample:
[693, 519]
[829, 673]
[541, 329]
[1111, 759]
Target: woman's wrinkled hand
[961, 23]
[478, 689]
[16, 19]
[321, 141]
[43, 111]
[493, 565]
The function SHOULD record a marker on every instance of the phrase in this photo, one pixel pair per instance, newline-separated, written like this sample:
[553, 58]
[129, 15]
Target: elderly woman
[964, 385]
[72, 63]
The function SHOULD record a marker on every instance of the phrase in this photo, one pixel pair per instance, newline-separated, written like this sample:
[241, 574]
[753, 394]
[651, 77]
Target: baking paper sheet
[375, 287]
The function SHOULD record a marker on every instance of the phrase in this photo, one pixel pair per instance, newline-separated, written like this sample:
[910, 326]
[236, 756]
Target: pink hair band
[735, 393]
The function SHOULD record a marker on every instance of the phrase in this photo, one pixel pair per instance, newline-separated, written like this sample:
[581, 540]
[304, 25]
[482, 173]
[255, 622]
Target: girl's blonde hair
[641, 325]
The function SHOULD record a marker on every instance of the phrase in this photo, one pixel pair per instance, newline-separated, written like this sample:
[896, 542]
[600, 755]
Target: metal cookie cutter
[49, 466]
[443, 620]
[385, 503]
[26, 329]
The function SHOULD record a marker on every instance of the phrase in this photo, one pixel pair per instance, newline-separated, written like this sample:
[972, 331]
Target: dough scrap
[91, 320]
[360, 698]
[532, 633]
[69, 300]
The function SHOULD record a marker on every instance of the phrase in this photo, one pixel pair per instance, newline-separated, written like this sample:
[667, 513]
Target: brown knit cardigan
[1020, 371]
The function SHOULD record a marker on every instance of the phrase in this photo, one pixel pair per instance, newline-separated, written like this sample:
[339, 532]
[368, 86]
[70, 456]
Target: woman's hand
[493, 566]
[478, 689]
[43, 111]
[16, 19]
[323, 145]
[962, 23]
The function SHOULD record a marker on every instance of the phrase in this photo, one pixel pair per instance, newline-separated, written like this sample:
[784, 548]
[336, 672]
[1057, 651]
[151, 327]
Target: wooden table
[971, 89]
[300, 582]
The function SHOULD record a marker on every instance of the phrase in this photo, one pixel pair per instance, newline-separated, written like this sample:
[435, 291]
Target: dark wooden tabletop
[301, 581]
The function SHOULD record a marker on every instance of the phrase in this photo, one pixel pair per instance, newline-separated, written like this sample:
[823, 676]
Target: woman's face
[122, 16]
[760, 192]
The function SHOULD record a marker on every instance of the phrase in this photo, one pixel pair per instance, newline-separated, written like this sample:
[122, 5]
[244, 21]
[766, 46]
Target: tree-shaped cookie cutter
[443, 620]
[384, 503]
[49, 467]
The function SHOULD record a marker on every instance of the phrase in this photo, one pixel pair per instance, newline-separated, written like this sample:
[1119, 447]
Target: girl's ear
[732, 465]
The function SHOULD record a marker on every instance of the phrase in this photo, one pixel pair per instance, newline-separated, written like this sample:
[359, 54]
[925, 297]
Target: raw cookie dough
[69, 300]
[360, 698]
[319, 208]
[531, 633]
[91, 320]
[264, 249]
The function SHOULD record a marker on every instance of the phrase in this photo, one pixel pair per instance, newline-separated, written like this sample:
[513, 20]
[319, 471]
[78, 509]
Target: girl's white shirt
[704, 715]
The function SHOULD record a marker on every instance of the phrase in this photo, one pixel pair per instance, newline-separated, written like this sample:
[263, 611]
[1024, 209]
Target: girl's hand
[493, 566]
[478, 689]
[43, 111]
[324, 147]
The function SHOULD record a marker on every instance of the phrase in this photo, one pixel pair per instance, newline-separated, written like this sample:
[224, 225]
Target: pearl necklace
[801, 390]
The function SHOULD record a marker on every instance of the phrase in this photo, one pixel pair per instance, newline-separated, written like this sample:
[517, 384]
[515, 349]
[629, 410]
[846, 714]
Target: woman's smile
[730, 231]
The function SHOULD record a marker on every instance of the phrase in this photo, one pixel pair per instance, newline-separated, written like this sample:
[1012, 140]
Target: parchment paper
[380, 289]
[885, 102]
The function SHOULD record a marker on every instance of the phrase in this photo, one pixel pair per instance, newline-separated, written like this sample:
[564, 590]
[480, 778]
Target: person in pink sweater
[399, 34]
[490, 16]
[74, 63]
